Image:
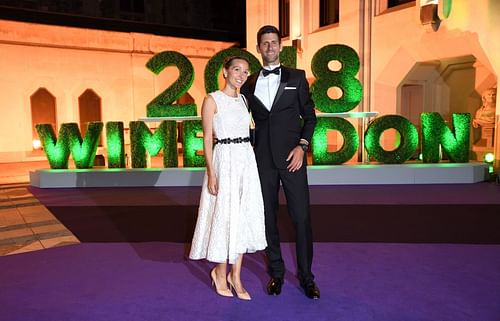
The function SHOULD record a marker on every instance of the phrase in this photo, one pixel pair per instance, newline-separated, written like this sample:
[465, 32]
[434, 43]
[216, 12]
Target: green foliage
[162, 105]
[344, 78]
[407, 146]
[115, 144]
[455, 142]
[142, 140]
[70, 142]
[57, 150]
[191, 144]
[171, 110]
[288, 57]
[215, 64]
[320, 154]
[170, 153]
[84, 151]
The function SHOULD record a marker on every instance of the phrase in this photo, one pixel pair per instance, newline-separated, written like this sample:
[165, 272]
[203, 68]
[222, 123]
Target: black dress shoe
[274, 286]
[311, 291]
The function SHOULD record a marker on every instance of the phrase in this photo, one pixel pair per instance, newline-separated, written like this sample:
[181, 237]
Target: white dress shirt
[267, 87]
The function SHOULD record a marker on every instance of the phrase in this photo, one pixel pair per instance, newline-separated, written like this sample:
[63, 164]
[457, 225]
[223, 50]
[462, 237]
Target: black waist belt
[237, 140]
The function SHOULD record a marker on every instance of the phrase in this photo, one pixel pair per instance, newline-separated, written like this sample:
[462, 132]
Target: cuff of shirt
[303, 141]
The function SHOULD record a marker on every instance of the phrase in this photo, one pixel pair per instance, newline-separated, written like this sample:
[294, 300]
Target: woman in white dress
[231, 212]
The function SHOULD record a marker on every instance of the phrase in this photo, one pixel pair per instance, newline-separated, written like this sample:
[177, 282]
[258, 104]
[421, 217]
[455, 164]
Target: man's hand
[296, 157]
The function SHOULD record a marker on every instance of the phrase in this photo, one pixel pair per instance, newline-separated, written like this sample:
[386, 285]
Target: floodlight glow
[489, 157]
[37, 144]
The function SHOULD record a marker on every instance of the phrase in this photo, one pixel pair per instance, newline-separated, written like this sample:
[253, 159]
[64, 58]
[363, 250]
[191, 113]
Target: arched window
[89, 106]
[387, 6]
[284, 18]
[395, 3]
[328, 12]
[43, 111]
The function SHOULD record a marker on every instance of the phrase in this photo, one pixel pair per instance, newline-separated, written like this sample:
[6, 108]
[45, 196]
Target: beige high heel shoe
[241, 295]
[223, 292]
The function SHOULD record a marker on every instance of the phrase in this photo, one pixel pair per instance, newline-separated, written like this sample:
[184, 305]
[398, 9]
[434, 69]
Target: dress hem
[227, 260]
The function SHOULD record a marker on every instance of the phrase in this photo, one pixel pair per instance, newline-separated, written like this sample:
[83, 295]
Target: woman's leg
[234, 279]
[218, 276]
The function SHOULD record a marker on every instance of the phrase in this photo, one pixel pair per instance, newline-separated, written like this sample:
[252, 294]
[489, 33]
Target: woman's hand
[212, 184]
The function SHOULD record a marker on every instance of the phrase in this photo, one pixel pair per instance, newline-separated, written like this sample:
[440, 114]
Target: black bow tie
[275, 71]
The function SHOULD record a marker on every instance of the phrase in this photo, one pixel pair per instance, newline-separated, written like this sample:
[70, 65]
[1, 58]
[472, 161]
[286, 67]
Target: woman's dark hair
[268, 29]
[229, 60]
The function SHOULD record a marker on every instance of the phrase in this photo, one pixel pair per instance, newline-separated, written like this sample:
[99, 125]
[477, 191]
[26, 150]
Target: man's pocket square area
[290, 88]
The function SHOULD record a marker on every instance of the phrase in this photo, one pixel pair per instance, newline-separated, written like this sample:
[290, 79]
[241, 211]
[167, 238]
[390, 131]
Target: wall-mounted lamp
[432, 12]
[297, 44]
[429, 14]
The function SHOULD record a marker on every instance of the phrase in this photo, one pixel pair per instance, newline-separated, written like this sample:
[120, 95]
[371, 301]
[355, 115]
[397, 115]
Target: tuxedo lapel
[252, 82]
[285, 74]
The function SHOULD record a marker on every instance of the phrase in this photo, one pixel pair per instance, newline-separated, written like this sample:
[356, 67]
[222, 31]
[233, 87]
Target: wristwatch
[304, 146]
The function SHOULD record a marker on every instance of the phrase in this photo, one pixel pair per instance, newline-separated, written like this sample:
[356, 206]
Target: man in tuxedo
[284, 118]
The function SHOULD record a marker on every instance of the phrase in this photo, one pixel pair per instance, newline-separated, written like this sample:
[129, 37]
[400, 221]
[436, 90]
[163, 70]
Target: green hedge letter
[115, 143]
[344, 79]
[164, 104]
[70, 141]
[142, 140]
[320, 154]
[192, 144]
[407, 146]
[455, 143]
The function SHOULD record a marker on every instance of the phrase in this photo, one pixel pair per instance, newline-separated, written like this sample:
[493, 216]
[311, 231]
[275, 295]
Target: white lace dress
[232, 222]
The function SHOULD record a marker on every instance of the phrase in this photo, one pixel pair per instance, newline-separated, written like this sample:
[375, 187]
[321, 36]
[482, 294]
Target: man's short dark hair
[268, 29]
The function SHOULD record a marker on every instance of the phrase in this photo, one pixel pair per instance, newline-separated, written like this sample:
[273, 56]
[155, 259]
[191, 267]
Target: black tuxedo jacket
[291, 117]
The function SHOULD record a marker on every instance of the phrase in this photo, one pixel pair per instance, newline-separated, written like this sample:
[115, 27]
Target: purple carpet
[154, 281]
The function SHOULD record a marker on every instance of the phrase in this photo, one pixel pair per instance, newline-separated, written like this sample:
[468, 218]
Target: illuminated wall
[397, 50]
[68, 61]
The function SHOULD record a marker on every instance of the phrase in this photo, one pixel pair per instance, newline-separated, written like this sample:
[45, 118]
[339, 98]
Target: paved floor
[25, 224]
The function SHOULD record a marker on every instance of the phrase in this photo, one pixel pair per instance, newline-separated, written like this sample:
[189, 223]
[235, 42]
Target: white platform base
[408, 173]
